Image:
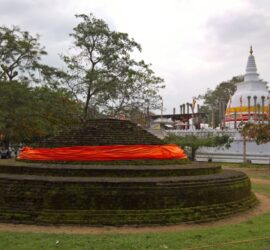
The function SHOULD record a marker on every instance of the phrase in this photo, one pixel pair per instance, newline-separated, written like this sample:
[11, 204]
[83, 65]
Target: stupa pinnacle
[251, 69]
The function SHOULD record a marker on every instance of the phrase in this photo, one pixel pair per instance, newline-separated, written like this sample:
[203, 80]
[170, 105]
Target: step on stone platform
[120, 195]
[147, 192]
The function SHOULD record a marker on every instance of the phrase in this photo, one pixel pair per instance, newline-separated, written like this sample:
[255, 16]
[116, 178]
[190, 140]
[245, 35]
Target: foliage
[30, 112]
[52, 77]
[195, 142]
[101, 77]
[102, 72]
[222, 93]
[33, 112]
[20, 54]
[259, 132]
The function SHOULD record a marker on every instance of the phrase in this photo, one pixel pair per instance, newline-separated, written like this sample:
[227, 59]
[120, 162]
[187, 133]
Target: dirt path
[262, 208]
[260, 181]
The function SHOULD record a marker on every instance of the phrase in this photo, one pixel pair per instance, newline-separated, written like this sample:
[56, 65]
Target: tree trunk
[193, 154]
[244, 149]
[85, 113]
[213, 117]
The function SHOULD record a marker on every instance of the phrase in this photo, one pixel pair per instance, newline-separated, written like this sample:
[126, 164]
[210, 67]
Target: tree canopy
[221, 94]
[101, 78]
[194, 142]
[20, 54]
[28, 113]
[258, 132]
[102, 72]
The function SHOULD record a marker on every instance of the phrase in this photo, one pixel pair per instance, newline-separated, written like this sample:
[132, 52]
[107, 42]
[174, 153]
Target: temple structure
[113, 172]
[250, 102]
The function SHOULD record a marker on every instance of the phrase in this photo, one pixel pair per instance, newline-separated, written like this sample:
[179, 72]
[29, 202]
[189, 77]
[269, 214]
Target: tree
[102, 72]
[213, 98]
[194, 142]
[20, 54]
[28, 113]
[258, 132]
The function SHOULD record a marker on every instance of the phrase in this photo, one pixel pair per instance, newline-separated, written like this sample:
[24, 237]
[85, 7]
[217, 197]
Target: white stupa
[250, 102]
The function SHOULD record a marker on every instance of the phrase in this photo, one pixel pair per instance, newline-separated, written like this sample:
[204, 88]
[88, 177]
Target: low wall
[258, 154]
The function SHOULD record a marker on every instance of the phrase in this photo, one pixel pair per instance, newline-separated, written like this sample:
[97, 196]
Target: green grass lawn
[265, 189]
[254, 170]
[257, 229]
[242, 165]
[262, 176]
[253, 234]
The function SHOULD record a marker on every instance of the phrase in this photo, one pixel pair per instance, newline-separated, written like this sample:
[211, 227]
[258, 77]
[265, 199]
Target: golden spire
[251, 50]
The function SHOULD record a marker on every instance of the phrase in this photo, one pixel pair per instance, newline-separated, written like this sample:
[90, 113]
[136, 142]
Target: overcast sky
[192, 44]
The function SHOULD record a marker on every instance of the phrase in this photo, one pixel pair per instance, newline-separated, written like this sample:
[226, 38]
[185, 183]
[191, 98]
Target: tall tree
[102, 72]
[221, 94]
[20, 54]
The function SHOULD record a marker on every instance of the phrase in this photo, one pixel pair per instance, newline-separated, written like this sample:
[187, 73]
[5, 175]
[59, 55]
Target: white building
[250, 102]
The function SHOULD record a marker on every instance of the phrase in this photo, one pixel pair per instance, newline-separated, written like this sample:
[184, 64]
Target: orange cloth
[103, 153]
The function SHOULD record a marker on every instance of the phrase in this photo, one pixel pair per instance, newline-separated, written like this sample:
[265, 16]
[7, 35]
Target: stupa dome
[102, 140]
[251, 99]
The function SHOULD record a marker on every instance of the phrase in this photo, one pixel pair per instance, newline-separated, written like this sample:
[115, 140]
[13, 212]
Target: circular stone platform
[134, 192]
[119, 195]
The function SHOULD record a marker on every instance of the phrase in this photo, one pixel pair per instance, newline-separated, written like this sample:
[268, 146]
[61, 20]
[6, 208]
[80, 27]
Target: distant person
[5, 154]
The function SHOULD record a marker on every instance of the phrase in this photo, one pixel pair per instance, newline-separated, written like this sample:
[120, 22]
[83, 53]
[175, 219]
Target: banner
[103, 153]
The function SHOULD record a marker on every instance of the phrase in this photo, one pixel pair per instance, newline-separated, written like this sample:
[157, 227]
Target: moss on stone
[140, 192]
[101, 132]
[131, 217]
[46, 169]
[148, 162]
[118, 201]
